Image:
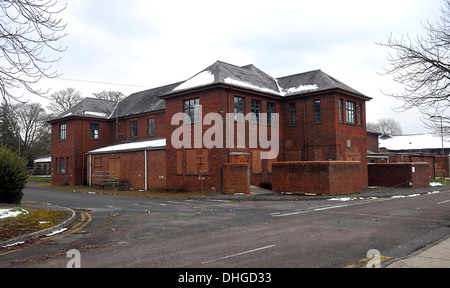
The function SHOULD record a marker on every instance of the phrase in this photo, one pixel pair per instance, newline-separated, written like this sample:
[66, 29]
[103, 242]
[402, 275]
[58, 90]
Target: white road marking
[238, 254]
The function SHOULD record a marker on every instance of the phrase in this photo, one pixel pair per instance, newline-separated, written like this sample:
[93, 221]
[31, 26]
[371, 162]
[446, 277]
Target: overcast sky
[144, 44]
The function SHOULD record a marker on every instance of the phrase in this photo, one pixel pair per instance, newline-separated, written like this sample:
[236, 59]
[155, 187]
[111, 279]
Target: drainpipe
[145, 171]
[90, 170]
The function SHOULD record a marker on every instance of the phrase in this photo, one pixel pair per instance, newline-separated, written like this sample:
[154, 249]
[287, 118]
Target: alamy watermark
[214, 136]
[75, 261]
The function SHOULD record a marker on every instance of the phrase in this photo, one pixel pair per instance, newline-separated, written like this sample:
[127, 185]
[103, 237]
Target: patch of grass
[34, 220]
[442, 181]
[39, 179]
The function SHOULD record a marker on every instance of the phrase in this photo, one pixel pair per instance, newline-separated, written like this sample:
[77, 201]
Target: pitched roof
[252, 78]
[90, 107]
[413, 142]
[154, 144]
[246, 77]
[312, 81]
[144, 101]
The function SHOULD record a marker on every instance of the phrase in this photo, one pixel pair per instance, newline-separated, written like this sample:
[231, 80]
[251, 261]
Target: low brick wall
[318, 177]
[411, 175]
[236, 178]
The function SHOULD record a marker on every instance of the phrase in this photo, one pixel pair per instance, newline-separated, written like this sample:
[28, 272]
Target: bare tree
[28, 30]
[386, 126]
[30, 117]
[422, 66]
[110, 95]
[63, 100]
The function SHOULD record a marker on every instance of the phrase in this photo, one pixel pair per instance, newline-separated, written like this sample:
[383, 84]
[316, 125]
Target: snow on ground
[436, 184]
[11, 212]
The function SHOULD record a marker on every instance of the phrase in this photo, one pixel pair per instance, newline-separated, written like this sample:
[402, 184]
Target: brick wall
[236, 178]
[318, 177]
[411, 175]
[442, 166]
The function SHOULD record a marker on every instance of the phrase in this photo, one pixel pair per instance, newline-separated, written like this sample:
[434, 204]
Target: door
[114, 165]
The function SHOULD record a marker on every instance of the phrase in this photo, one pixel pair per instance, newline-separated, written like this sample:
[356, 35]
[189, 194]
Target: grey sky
[153, 43]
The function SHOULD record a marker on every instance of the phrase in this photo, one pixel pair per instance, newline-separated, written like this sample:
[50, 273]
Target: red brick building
[320, 119]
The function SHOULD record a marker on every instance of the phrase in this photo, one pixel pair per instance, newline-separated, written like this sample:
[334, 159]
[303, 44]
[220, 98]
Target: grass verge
[31, 221]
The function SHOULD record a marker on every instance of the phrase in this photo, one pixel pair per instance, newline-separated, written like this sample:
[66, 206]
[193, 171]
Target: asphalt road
[114, 231]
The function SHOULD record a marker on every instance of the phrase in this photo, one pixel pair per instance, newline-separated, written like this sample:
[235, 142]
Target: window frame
[317, 111]
[341, 110]
[133, 128]
[62, 166]
[191, 109]
[63, 131]
[239, 108]
[350, 108]
[92, 134]
[271, 108]
[256, 110]
[292, 114]
[151, 126]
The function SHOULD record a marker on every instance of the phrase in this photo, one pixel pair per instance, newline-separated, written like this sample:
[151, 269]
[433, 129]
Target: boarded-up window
[98, 161]
[196, 162]
[191, 162]
[256, 162]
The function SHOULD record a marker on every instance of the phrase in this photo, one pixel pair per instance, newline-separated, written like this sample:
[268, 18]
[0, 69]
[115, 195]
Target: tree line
[24, 127]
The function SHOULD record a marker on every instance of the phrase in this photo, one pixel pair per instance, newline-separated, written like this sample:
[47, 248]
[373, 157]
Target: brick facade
[411, 175]
[236, 178]
[317, 177]
[324, 124]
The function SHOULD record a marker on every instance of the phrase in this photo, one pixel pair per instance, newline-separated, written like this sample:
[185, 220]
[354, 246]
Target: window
[134, 128]
[341, 110]
[239, 108]
[62, 132]
[317, 118]
[350, 106]
[256, 109]
[360, 112]
[292, 121]
[191, 108]
[270, 111]
[62, 166]
[93, 131]
[67, 165]
[151, 126]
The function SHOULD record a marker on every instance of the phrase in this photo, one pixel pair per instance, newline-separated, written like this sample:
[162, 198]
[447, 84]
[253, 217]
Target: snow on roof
[413, 142]
[250, 86]
[201, 79]
[43, 160]
[132, 146]
[301, 88]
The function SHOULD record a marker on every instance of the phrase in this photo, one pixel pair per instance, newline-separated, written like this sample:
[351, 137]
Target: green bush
[13, 176]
